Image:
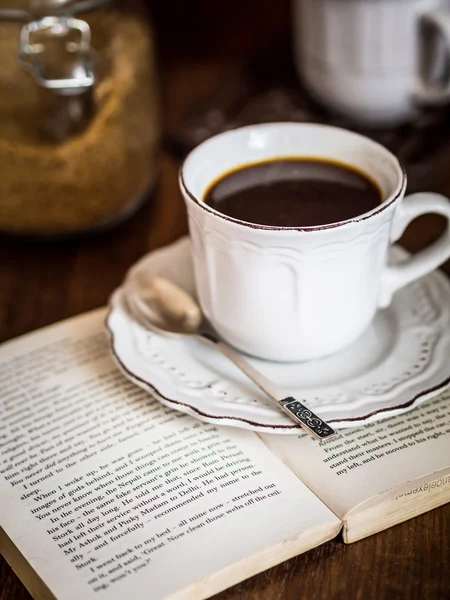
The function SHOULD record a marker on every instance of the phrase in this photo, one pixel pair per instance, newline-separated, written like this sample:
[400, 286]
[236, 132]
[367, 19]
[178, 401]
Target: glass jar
[79, 116]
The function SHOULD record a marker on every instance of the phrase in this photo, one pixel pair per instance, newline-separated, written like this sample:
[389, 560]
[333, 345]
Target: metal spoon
[167, 309]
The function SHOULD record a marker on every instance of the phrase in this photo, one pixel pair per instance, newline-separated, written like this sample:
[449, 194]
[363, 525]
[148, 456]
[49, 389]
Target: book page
[369, 460]
[108, 494]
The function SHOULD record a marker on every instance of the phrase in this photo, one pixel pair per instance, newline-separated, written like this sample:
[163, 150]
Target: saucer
[400, 361]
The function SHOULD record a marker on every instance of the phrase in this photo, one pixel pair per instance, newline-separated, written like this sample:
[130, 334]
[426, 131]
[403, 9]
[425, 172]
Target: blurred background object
[79, 115]
[374, 61]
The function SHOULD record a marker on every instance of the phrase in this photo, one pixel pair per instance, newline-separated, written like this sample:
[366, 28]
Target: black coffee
[293, 193]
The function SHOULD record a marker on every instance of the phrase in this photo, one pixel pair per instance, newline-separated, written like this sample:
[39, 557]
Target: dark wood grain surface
[41, 283]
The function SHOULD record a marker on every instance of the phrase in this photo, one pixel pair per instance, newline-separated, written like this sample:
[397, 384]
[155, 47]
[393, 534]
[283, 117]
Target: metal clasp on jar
[69, 72]
[69, 68]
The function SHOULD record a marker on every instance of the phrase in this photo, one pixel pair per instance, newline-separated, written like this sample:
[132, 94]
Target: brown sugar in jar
[98, 176]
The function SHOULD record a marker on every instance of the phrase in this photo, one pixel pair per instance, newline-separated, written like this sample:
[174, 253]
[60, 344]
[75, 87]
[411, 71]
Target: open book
[105, 493]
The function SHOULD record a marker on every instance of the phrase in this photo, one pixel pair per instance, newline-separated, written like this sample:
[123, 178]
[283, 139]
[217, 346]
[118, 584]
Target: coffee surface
[293, 193]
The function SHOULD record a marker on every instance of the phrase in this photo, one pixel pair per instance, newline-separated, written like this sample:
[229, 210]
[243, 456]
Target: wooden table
[41, 283]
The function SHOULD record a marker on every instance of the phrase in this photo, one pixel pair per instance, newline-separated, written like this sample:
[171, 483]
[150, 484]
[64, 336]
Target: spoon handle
[297, 411]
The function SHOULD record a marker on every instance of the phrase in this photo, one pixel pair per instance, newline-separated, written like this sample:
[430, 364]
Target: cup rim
[391, 199]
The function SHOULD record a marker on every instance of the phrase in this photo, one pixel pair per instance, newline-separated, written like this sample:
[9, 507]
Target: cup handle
[397, 276]
[433, 24]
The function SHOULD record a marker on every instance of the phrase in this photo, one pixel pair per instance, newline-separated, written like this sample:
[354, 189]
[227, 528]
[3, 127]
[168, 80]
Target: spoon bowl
[168, 307]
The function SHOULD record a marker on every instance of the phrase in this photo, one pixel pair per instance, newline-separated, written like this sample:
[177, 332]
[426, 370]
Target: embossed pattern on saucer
[399, 362]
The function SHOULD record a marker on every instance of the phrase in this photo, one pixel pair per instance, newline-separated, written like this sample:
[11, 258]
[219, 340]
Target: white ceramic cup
[374, 61]
[300, 293]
